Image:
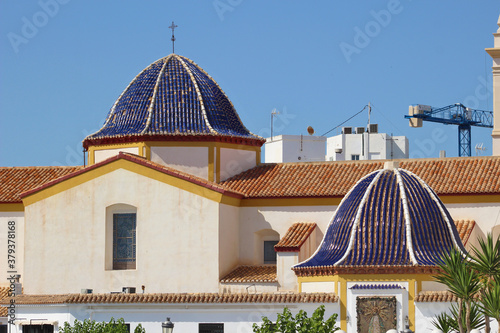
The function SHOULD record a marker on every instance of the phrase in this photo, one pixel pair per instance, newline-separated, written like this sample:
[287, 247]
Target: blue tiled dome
[172, 97]
[389, 218]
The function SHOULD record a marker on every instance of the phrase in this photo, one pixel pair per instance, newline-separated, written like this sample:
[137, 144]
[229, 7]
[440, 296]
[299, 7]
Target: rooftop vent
[86, 291]
[128, 290]
[373, 128]
[360, 130]
[347, 130]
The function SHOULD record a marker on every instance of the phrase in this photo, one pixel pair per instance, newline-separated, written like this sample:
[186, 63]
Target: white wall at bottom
[237, 318]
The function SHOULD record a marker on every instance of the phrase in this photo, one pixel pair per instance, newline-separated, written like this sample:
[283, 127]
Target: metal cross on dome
[173, 26]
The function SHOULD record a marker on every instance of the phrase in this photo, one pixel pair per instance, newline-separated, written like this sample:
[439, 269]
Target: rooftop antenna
[479, 149]
[369, 114]
[173, 26]
[274, 113]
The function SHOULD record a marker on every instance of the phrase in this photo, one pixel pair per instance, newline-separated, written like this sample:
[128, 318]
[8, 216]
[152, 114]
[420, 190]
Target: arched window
[121, 239]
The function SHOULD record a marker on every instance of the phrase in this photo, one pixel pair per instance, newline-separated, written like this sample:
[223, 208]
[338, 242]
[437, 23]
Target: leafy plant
[443, 322]
[476, 317]
[286, 323]
[486, 261]
[462, 281]
[91, 326]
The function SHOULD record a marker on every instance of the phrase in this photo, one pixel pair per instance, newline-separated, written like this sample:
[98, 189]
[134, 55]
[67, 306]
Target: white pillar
[495, 54]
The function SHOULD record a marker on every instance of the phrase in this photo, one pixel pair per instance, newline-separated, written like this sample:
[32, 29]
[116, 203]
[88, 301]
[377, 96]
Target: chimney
[495, 54]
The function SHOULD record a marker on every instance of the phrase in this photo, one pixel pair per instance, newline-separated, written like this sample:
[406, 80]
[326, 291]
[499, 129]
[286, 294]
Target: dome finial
[173, 26]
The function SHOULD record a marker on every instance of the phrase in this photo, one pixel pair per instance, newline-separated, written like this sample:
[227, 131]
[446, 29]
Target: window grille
[124, 241]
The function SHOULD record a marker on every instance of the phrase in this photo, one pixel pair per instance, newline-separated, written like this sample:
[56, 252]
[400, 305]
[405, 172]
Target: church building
[176, 216]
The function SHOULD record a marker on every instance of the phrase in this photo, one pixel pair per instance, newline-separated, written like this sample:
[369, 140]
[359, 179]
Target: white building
[294, 148]
[359, 144]
[352, 144]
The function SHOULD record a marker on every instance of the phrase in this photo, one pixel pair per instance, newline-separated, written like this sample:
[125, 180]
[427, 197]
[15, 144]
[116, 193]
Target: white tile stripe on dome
[155, 92]
[333, 218]
[111, 112]
[198, 94]
[358, 217]
[222, 91]
[443, 213]
[406, 210]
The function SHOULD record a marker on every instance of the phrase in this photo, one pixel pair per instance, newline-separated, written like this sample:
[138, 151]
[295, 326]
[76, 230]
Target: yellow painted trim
[93, 149]
[11, 207]
[343, 305]
[148, 151]
[335, 201]
[291, 202]
[211, 170]
[201, 144]
[136, 168]
[411, 304]
[217, 164]
[91, 157]
[451, 199]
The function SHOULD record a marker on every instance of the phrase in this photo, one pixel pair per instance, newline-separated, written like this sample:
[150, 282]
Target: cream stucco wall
[279, 219]
[101, 155]
[286, 277]
[486, 215]
[193, 160]
[177, 238]
[235, 161]
[18, 219]
[228, 239]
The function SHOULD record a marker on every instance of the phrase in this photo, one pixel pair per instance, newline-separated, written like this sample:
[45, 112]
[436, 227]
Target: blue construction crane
[455, 114]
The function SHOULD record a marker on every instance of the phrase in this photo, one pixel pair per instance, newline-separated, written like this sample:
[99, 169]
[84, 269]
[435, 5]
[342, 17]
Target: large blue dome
[171, 97]
[391, 217]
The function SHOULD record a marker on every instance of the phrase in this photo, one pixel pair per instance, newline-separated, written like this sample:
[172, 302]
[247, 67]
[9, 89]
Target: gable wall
[177, 238]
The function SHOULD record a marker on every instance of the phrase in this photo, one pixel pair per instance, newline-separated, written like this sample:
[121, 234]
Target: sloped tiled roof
[241, 274]
[464, 228]
[457, 175]
[177, 298]
[295, 237]
[142, 161]
[4, 292]
[377, 286]
[16, 180]
[435, 296]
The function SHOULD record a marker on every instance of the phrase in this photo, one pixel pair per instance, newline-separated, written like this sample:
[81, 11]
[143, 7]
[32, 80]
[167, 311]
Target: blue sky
[63, 63]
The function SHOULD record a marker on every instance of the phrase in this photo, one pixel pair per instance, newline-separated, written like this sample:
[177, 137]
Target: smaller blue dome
[391, 217]
[172, 97]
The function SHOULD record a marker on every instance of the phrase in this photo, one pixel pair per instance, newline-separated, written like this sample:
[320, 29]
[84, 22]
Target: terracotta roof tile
[142, 161]
[4, 292]
[15, 180]
[295, 237]
[244, 274]
[457, 175]
[464, 228]
[177, 298]
[435, 296]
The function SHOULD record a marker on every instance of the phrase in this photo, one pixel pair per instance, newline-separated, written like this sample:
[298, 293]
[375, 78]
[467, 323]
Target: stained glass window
[124, 248]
